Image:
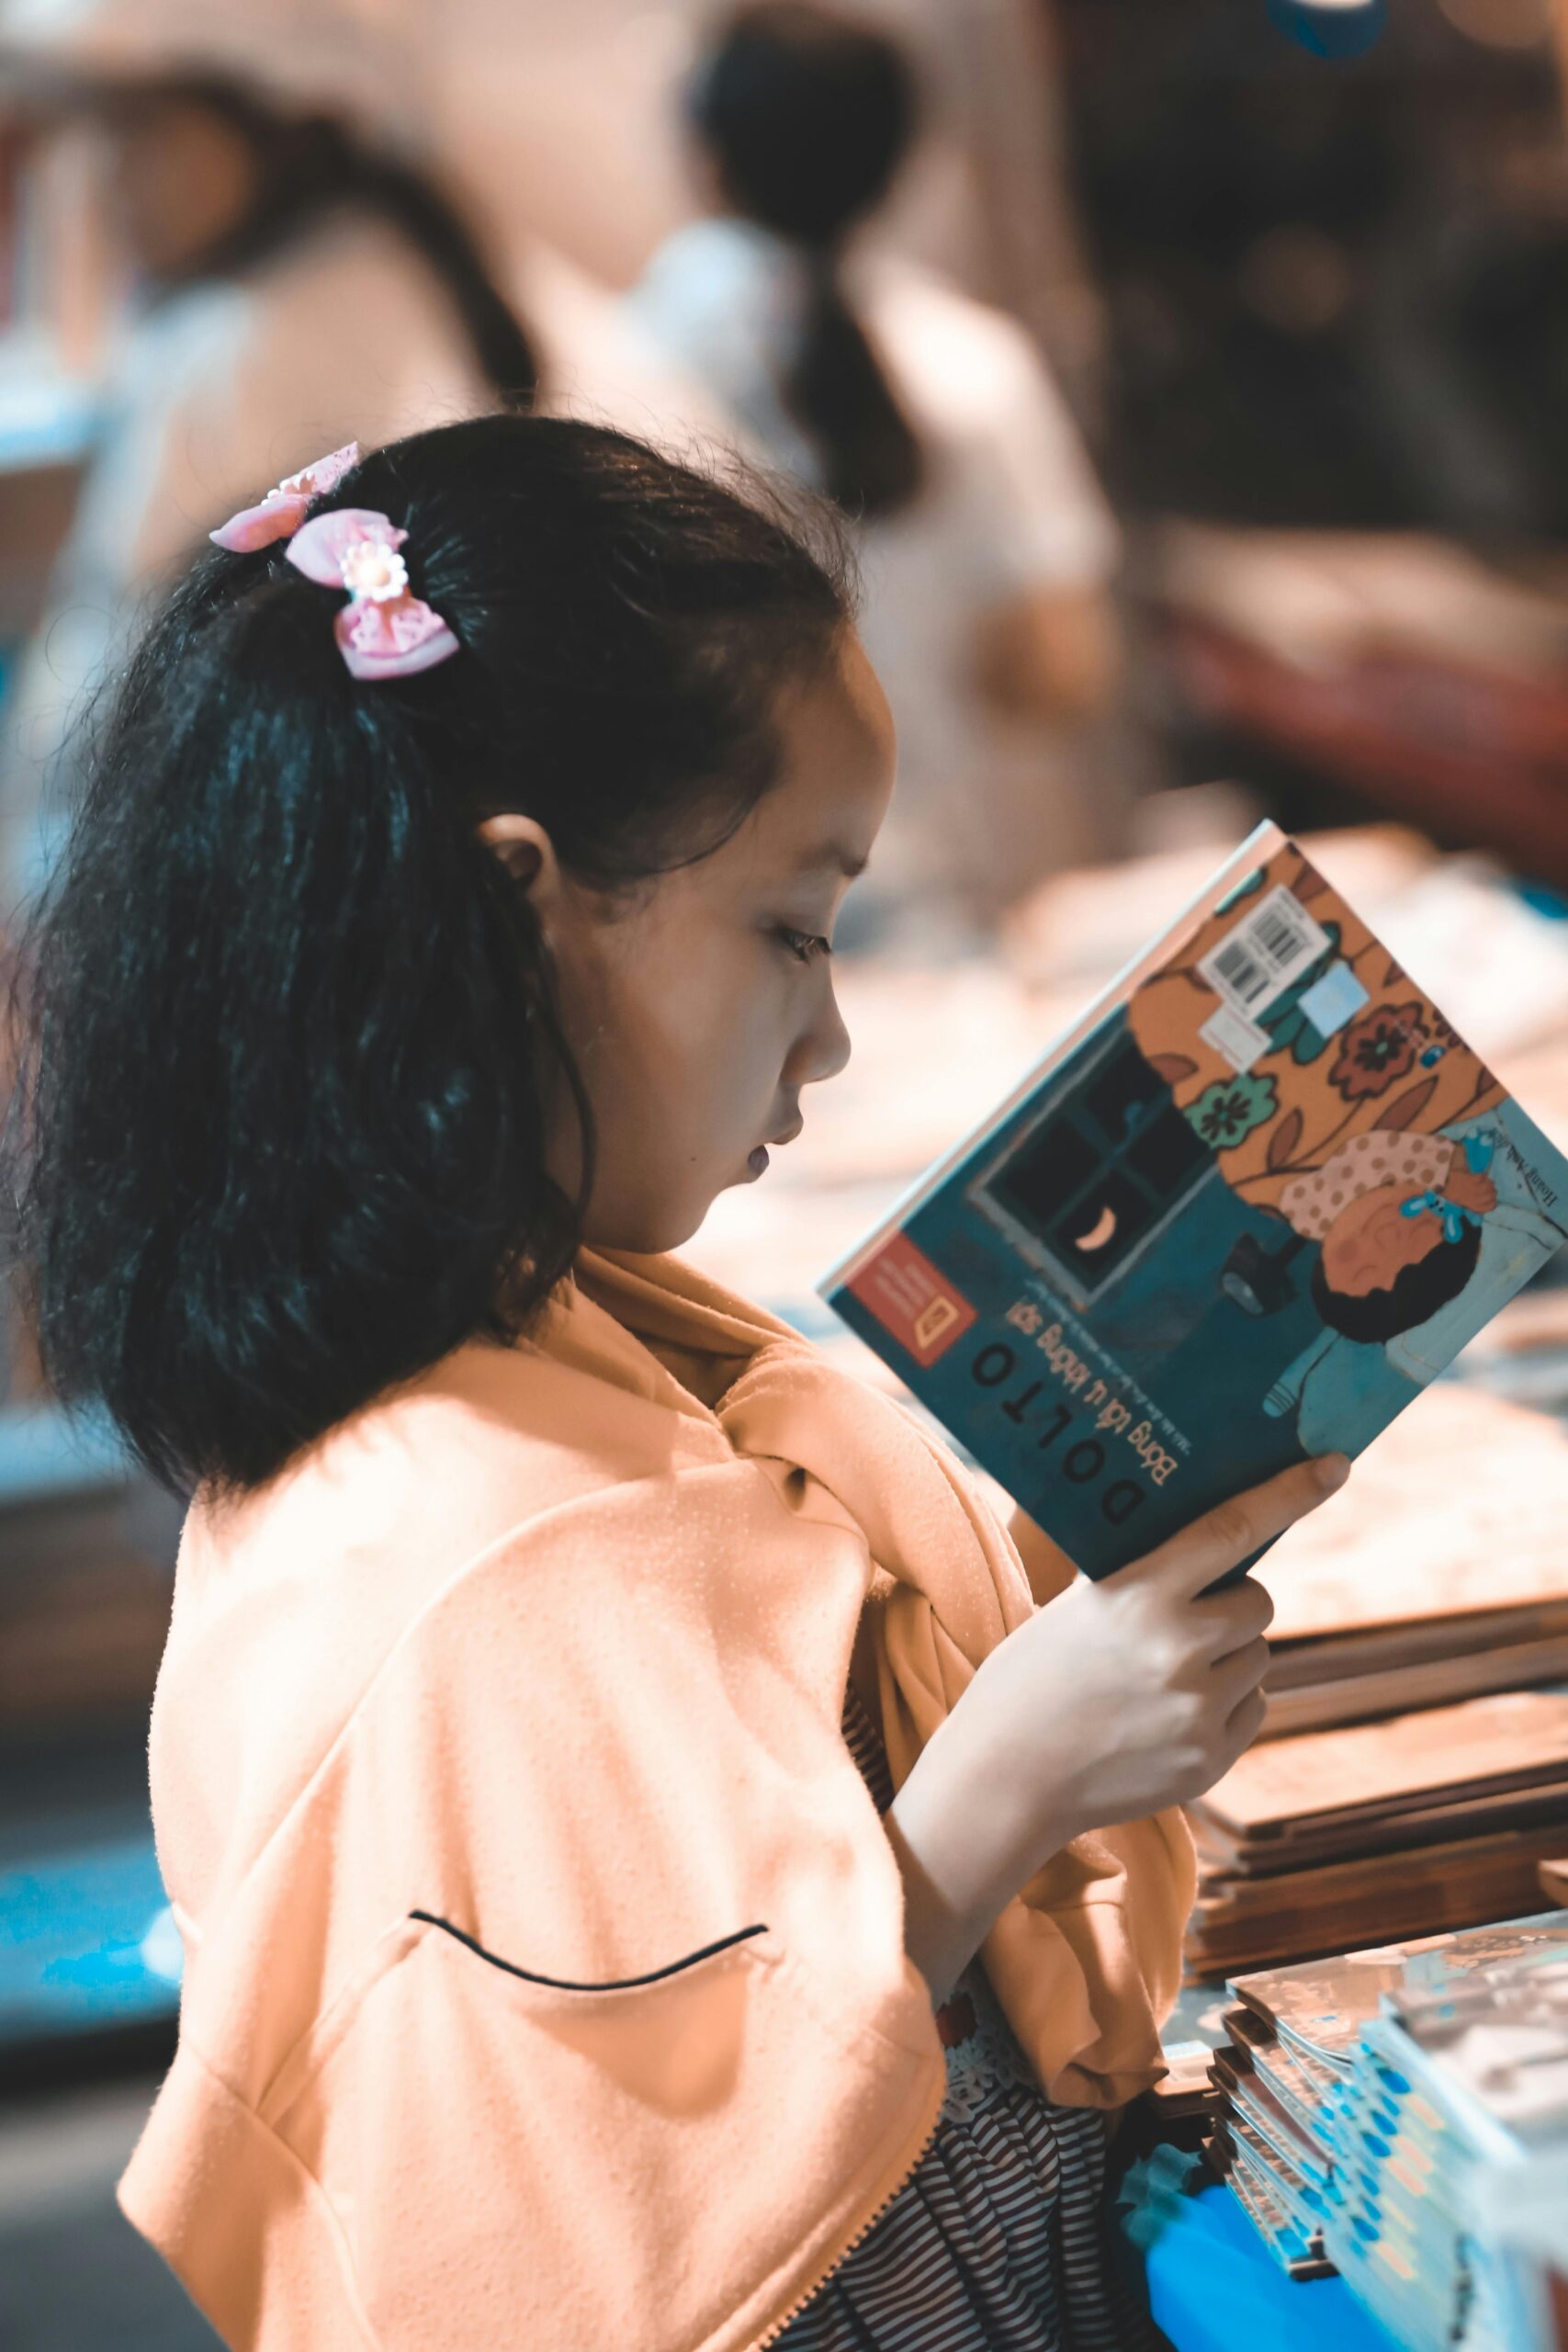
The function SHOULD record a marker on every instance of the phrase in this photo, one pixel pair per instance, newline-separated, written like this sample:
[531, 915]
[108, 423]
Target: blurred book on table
[1453, 2108]
[1411, 1589]
[1416, 1824]
[1343, 2159]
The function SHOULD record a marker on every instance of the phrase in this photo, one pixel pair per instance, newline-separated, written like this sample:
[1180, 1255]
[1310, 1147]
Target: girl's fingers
[1236, 1616]
[1242, 1671]
[1234, 1530]
[1245, 1722]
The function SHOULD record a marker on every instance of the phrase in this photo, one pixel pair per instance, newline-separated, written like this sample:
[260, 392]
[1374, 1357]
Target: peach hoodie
[544, 1974]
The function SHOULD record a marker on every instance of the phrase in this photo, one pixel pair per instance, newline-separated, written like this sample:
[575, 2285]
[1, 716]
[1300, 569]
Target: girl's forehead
[837, 752]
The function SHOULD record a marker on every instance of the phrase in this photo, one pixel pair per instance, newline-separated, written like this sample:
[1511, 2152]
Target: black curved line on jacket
[562, 1985]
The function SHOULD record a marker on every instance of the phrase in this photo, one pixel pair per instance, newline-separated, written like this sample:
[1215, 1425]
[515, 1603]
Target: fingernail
[1331, 1470]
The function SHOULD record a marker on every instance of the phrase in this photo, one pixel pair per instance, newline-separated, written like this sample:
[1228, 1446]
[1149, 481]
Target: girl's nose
[825, 1048]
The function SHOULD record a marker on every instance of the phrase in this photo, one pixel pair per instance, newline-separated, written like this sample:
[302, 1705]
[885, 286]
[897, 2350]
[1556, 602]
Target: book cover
[1498, 2030]
[1322, 2006]
[1244, 1212]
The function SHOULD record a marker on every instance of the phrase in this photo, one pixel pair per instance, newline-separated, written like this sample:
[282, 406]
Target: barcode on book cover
[1264, 953]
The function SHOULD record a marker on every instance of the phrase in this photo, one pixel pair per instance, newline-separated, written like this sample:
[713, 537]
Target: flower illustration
[1378, 1048]
[373, 571]
[1228, 1111]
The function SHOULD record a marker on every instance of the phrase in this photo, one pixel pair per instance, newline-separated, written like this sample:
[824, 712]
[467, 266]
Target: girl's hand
[1115, 1700]
[1469, 1190]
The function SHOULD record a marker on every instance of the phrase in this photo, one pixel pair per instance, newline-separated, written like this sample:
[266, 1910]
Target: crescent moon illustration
[1098, 1233]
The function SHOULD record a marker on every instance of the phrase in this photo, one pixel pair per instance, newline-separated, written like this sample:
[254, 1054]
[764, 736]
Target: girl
[986, 544]
[446, 921]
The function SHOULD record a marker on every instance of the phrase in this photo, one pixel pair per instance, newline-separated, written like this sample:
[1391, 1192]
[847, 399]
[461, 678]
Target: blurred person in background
[292, 282]
[931, 419]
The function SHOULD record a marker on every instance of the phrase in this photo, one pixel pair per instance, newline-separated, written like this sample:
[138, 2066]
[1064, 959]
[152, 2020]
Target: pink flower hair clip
[283, 510]
[384, 630]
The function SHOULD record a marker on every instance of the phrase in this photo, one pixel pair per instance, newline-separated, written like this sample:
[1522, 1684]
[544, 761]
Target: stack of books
[1454, 2104]
[1272, 2081]
[1292, 2033]
[1421, 1823]
[1394, 2113]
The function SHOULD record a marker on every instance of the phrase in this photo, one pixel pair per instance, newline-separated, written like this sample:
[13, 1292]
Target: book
[1430, 1682]
[1243, 1212]
[1263, 1922]
[1289, 2236]
[1454, 2105]
[1325, 1787]
[1387, 2113]
[1300, 2083]
[1523, 2213]
[1319, 2007]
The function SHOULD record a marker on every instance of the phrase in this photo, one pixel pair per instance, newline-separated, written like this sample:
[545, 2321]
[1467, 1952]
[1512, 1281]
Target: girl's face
[180, 178]
[1371, 1242]
[699, 1007]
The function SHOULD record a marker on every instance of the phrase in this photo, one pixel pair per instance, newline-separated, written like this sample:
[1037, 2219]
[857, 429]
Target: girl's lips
[758, 1161]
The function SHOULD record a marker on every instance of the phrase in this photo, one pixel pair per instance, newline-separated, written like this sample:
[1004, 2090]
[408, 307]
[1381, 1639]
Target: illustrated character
[1391, 1317]
[1397, 1218]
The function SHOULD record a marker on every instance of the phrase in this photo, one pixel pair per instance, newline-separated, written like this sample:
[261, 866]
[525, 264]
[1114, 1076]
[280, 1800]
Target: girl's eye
[805, 945]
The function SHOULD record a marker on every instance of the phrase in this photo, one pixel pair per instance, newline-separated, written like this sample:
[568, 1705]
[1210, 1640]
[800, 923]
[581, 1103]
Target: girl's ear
[529, 854]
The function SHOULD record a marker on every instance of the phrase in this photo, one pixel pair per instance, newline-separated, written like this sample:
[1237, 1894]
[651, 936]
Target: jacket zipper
[863, 2228]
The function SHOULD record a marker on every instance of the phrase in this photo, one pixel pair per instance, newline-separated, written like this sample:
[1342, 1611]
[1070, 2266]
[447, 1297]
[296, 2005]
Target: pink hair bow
[283, 510]
[385, 631]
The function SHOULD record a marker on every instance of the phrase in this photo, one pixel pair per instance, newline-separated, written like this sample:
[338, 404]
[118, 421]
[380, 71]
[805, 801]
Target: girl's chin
[650, 1231]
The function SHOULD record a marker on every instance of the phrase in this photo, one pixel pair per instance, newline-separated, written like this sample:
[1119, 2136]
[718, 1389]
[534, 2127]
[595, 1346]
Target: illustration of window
[1088, 1183]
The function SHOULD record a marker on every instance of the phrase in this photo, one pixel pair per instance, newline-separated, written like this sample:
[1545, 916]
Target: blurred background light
[1296, 278]
[1331, 28]
[1501, 24]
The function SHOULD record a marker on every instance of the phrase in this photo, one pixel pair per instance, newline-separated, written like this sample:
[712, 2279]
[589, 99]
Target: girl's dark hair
[807, 116]
[289, 1033]
[1416, 1291]
[310, 166]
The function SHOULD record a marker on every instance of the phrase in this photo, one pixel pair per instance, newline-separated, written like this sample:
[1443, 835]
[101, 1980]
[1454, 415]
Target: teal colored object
[1212, 2284]
[1542, 901]
[47, 1455]
[87, 1941]
[1329, 31]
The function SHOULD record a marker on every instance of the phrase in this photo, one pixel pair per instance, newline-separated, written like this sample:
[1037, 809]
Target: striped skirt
[996, 2242]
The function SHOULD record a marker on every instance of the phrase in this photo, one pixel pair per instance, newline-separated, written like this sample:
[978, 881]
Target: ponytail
[836, 390]
[807, 116]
